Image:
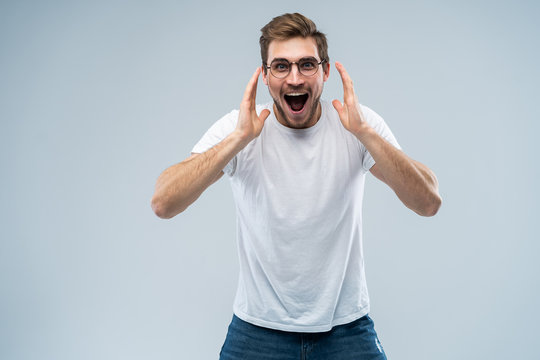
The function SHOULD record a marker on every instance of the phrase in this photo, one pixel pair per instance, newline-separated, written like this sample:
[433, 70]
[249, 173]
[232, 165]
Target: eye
[308, 64]
[280, 66]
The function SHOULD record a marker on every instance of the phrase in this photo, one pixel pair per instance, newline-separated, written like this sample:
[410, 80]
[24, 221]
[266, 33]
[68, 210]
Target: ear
[264, 75]
[326, 68]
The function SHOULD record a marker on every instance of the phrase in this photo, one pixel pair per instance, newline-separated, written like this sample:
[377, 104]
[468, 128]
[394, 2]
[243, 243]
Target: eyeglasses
[281, 68]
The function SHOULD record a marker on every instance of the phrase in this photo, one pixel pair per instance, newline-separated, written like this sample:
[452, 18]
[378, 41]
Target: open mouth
[296, 101]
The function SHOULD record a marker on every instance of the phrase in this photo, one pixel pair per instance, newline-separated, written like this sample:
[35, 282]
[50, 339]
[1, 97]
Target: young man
[297, 168]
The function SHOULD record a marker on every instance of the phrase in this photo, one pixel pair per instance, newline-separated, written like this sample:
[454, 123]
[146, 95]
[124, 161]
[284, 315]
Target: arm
[181, 184]
[414, 183]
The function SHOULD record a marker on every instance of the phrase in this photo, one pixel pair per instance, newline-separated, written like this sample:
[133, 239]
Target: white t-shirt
[298, 196]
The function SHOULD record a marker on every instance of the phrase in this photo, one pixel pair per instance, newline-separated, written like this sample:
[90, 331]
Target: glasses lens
[280, 69]
[308, 67]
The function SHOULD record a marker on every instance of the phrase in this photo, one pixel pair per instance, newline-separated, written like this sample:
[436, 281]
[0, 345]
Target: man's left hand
[349, 112]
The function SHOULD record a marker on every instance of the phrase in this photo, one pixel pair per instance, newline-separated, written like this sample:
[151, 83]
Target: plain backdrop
[97, 98]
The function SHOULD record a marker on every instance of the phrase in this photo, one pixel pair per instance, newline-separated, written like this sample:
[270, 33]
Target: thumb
[338, 106]
[264, 114]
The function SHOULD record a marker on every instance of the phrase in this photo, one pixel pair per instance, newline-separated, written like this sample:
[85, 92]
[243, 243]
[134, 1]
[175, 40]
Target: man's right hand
[250, 124]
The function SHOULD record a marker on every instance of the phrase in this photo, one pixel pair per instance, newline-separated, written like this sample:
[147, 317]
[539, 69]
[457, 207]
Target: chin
[297, 110]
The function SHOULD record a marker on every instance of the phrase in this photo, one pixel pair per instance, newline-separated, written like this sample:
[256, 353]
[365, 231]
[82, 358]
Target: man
[297, 168]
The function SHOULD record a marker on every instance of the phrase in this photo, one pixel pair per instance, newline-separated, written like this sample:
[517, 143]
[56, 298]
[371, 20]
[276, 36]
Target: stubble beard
[303, 124]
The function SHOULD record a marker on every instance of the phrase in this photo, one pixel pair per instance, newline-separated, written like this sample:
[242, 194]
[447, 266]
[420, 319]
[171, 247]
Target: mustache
[300, 88]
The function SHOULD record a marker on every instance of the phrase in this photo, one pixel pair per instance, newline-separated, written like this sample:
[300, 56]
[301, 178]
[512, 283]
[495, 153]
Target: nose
[295, 77]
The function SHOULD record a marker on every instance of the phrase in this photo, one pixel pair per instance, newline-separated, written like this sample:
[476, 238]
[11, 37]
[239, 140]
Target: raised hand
[250, 124]
[349, 111]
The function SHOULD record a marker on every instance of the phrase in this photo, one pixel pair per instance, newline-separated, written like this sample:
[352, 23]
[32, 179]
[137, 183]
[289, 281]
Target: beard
[295, 125]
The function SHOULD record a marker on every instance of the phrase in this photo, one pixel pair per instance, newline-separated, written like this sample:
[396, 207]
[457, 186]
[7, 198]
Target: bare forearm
[413, 182]
[181, 184]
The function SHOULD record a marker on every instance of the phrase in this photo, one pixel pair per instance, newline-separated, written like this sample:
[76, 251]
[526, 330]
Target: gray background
[97, 98]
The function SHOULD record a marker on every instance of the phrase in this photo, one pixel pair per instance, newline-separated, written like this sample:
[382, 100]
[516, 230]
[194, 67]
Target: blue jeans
[356, 340]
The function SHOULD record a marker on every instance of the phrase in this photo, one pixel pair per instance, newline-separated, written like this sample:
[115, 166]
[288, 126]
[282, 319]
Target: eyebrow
[304, 58]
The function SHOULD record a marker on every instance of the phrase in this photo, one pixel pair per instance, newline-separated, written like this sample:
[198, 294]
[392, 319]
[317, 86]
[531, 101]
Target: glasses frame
[269, 67]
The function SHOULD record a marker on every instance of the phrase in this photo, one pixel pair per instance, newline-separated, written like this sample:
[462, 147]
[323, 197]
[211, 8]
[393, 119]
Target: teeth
[295, 94]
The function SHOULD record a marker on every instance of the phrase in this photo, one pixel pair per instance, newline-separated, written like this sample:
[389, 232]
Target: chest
[312, 168]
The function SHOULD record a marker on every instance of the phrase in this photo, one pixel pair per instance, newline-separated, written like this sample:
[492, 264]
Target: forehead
[293, 49]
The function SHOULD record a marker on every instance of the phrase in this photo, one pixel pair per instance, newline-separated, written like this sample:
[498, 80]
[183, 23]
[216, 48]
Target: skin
[413, 182]
[181, 184]
[293, 50]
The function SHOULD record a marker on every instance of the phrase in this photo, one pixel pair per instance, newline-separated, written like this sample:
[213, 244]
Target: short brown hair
[288, 26]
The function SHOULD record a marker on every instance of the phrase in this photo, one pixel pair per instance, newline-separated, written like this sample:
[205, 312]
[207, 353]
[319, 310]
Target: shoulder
[375, 120]
[225, 124]
[229, 118]
[370, 115]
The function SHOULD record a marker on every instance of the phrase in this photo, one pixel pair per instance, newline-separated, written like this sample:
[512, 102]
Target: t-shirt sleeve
[217, 132]
[377, 123]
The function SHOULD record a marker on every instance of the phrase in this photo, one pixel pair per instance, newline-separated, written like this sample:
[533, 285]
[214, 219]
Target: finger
[348, 88]
[264, 114]
[251, 88]
[338, 106]
[342, 72]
